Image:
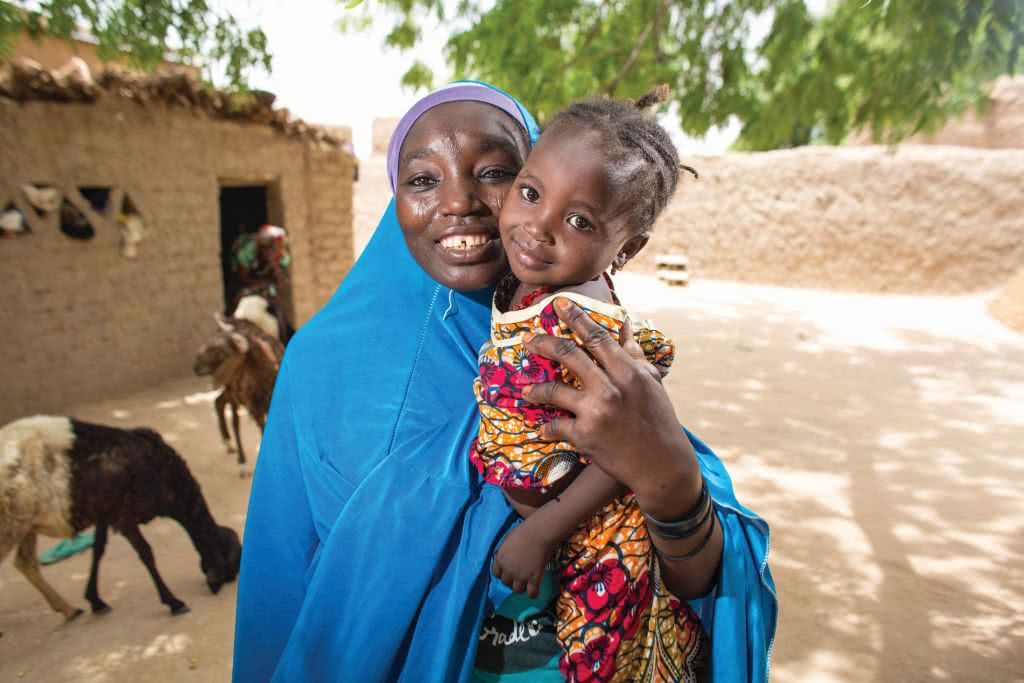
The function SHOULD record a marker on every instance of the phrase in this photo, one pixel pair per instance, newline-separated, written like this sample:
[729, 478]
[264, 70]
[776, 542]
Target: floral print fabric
[614, 620]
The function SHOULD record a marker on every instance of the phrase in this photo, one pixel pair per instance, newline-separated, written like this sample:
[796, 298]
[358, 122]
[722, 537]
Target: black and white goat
[59, 476]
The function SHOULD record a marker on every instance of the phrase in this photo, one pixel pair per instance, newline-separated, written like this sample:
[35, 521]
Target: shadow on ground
[882, 437]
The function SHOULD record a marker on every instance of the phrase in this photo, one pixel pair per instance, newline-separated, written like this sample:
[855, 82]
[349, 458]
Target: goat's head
[221, 559]
[228, 342]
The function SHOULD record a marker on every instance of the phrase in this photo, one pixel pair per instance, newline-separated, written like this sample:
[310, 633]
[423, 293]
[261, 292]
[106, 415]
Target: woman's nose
[459, 197]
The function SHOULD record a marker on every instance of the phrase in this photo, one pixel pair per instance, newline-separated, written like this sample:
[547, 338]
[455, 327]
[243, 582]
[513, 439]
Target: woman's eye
[579, 222]
[496, 173]
[529, 194]
[421, 181]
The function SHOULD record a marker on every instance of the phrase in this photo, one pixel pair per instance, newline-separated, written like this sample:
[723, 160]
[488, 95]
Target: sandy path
[882, 437]
[138, 640]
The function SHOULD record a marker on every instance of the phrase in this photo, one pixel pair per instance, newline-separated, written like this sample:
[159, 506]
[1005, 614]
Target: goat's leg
[219, 405]
[27, 563]
[238, 433]
[145, 553]
[92, 593]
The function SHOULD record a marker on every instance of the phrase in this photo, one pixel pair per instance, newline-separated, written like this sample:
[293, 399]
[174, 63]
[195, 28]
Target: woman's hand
[623, 420]
[522, 559]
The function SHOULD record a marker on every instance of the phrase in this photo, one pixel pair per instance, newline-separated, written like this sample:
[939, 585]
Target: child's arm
[524, 554]
[586, 495]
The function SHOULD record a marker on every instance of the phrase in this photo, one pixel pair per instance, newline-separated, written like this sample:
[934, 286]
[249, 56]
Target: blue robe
[369, 537]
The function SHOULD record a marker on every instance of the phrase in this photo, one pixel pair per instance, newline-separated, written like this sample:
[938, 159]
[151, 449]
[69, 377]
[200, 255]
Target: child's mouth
[529, 259]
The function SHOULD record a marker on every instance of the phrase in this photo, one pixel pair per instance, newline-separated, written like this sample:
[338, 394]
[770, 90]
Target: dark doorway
[242, 209]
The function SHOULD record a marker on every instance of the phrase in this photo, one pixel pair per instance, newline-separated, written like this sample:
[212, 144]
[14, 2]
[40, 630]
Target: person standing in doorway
[262, 261]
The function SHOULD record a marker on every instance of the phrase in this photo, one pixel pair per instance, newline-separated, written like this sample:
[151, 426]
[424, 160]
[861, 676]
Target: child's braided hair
[641, 154]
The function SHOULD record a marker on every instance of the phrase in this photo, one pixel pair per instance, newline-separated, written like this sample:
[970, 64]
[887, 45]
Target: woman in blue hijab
[369, 536]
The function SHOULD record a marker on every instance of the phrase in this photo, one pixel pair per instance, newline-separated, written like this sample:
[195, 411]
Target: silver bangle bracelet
[688, 525]
[696, 551]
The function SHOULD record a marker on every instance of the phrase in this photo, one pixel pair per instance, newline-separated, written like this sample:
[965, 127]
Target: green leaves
[418, 77]
[893, 69]
[890, 67]
[145, 32]
[403, 36]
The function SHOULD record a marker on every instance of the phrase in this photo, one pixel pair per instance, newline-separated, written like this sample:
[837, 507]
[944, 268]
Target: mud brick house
[121, 195]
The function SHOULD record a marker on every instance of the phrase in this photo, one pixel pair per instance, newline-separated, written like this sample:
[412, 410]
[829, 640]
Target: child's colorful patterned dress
[615, 621]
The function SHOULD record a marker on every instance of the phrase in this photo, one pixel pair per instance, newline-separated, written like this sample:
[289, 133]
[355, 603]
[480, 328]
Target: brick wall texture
[82, 322]
[916, 219]
[372, 194]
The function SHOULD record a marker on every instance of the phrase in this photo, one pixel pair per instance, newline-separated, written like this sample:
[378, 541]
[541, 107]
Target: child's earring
[619, 263]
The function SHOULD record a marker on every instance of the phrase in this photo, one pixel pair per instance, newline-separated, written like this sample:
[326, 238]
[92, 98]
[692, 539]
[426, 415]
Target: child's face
[560, 224]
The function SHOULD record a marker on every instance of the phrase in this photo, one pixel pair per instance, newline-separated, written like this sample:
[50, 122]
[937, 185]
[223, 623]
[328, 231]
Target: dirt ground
[881, 437]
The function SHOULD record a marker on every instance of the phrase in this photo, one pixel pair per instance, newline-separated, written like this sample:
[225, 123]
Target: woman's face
[455, 167]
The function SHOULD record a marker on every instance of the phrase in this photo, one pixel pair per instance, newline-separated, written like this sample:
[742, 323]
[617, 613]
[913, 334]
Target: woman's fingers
[597, 340]
[533, 588]
[566, 352]
[519, 586]
[631, 346]
[558, 394]
[628, 342]
[560, 429]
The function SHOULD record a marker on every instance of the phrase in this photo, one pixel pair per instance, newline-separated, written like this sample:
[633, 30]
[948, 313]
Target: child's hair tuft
[643, 161]
[653, 98]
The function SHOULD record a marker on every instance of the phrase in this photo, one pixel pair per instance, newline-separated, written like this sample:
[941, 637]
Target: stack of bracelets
[687, 526]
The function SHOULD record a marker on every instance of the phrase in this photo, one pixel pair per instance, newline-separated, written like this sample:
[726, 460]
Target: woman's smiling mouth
[469, 248]
[464, 242]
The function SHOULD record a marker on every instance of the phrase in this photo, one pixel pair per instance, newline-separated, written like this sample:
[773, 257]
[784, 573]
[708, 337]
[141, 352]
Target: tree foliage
[145, 32]
[891, 67]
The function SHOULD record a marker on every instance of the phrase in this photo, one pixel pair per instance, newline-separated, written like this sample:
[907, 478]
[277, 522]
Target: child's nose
[537, 229]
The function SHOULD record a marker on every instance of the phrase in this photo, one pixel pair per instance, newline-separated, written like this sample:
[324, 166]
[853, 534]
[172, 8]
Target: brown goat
[243, 361]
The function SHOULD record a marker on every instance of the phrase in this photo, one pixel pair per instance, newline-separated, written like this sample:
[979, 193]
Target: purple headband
[456, 92]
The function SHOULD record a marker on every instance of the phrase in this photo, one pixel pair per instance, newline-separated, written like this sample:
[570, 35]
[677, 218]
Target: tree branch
[627, 66]
[587, 40]
[659, 14]
[1011, 58]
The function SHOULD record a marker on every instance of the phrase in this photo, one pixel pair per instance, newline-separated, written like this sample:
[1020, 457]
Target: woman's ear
[630, 249]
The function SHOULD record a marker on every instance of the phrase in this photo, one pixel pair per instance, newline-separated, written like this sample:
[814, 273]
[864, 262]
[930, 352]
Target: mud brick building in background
[83, 321]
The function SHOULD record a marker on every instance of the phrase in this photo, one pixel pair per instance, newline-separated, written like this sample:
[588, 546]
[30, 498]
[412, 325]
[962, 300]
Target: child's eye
[529, 194]
[579, 222]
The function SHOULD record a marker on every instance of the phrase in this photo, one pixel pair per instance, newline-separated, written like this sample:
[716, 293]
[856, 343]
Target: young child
[584, 202]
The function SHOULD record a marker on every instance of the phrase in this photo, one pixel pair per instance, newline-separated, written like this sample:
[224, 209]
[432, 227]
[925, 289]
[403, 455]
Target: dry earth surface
[881, 436]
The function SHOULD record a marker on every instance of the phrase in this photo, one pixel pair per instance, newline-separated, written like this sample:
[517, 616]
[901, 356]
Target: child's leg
[614, 622]
[605, 588]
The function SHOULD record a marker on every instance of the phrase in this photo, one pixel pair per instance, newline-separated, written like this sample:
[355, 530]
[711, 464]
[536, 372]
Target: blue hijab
[369, 536]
